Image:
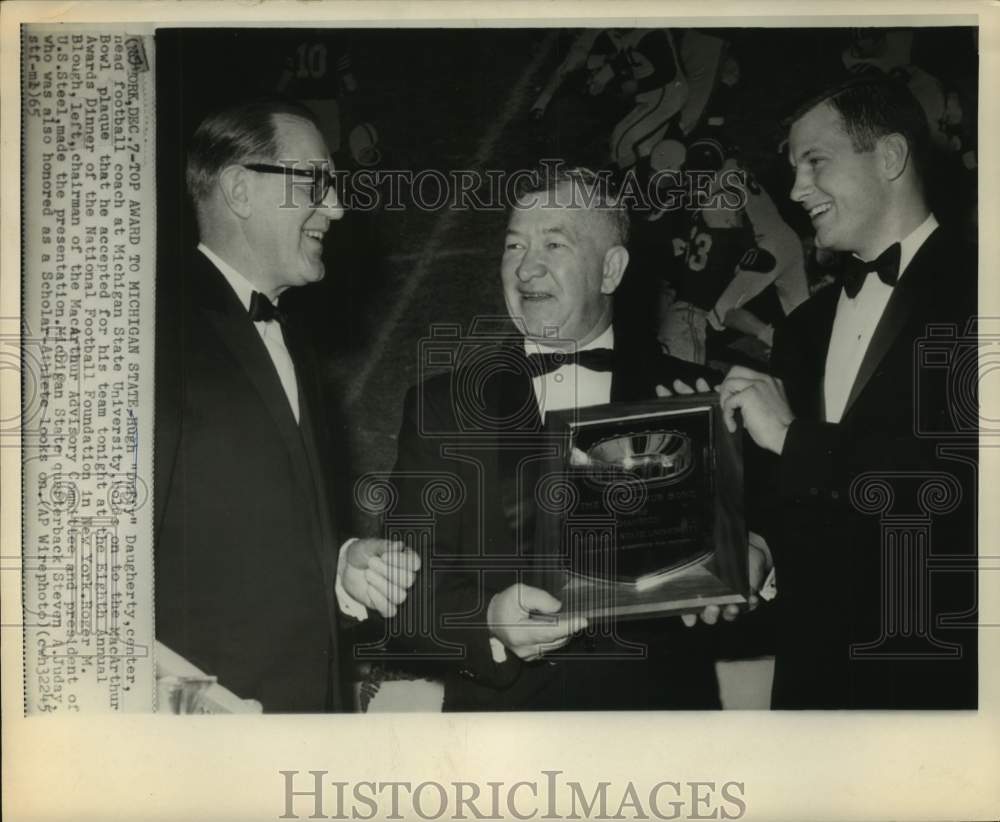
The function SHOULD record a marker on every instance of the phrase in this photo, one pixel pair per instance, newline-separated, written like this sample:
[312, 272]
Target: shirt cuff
[769, 588]
[348, 604]
[757, 541]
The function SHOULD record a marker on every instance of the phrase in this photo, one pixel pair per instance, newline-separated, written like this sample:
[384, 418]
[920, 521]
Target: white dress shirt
[270, 332]
[571, 385]
[855, 322]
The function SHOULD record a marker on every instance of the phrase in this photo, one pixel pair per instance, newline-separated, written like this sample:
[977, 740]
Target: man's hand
[759, 567]
[526, 621]
[378, 573]
[762, 403]
[700, 387]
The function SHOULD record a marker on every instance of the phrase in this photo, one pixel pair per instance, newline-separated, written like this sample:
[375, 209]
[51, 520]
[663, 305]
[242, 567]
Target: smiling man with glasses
[248, 575]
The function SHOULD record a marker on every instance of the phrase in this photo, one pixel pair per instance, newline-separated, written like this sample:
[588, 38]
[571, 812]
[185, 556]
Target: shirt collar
[603, 340]
[910, 245]
[241, 285]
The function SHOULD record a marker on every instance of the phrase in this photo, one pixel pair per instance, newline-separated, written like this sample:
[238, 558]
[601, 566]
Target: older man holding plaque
[499, 641]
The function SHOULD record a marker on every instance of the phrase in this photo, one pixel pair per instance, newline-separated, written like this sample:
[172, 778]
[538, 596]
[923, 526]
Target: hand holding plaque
[528, 623]
[760, 570]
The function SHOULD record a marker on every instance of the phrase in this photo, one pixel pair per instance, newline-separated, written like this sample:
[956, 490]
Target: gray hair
[239, 134]
[590, 189]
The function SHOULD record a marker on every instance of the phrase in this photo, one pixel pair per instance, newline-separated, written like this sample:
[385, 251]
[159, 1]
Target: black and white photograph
[432, 293]
[556, 393]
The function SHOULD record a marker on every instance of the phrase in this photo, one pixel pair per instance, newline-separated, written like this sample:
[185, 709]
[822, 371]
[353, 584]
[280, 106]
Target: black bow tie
[262, 310]
[596, 359]
[886, 265]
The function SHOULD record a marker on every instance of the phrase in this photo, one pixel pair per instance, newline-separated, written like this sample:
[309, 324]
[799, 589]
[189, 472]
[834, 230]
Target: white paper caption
[87, 369]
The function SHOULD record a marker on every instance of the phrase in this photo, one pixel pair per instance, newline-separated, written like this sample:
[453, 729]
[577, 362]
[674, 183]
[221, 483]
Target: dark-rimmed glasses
[321, 180]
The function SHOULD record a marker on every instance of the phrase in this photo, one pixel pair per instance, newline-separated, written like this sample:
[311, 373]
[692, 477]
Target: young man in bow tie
[246, 540]
[498, 641]
[846, 422]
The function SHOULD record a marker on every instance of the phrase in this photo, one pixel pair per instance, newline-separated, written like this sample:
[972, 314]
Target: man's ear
[615, 263]
[894, 152]
[235, 186]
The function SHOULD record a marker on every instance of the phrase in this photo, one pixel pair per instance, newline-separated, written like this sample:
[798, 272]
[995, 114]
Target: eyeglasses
[321, 180]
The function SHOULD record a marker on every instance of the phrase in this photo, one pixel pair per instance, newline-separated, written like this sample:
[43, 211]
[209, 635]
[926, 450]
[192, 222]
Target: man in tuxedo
[472, 447]
[867, 490]
[246, 554]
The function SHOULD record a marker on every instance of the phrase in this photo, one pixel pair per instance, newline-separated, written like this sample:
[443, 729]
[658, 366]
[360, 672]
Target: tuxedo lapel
[224, 313]
[632, 377]
[309, 405]
[818, 353]
[898, 311]
[510, 398]
[803, 367]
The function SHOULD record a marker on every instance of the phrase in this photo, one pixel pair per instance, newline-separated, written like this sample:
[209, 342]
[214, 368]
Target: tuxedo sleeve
[821, 460]
[444, 616]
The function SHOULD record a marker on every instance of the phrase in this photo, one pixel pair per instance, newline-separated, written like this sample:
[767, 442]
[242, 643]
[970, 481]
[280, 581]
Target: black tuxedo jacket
[872, 520]
[470, 448]
[245, 552]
